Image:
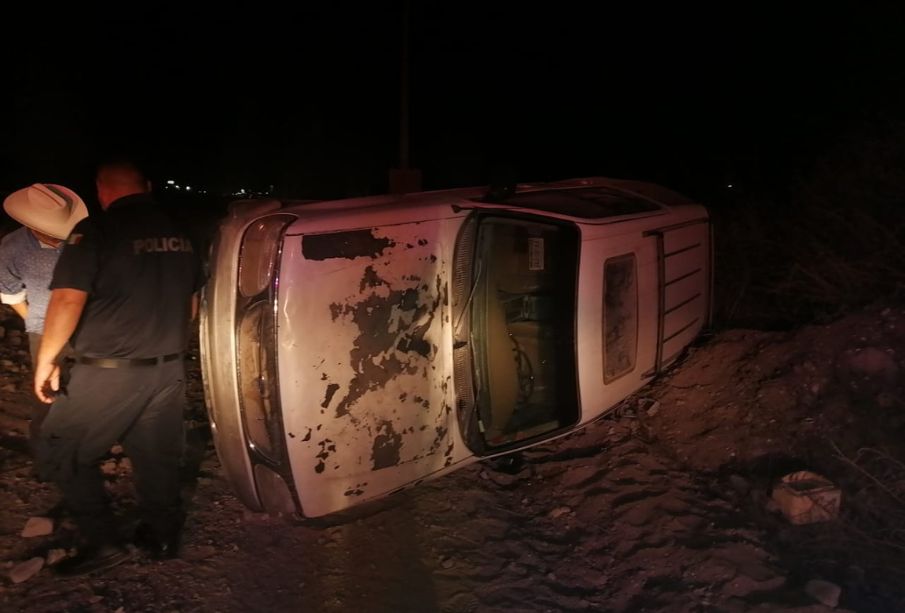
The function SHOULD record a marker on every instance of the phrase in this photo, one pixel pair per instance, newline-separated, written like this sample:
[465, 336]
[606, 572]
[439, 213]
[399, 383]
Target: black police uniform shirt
[139, 271]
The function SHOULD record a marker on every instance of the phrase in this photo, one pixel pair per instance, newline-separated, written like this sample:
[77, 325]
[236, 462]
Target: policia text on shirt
[161, 244]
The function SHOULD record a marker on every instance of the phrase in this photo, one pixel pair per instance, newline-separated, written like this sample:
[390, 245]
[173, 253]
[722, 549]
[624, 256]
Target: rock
[502, 479]
[2, 332]
[805, 497]
[638, 514]
[886, 400]
[9, 387]
[559, 512]
[739, 484]
[26, 570]
[109, 467]
[447, 563]
[873, 361]
[55, 555]
[824, 592]
[201, 552]
[253, 517]
[743, 586]
[653, 409]
[37, 526]
[869, 369]
[15, 341]
[116, 450]
[710, 571]
[7, 363]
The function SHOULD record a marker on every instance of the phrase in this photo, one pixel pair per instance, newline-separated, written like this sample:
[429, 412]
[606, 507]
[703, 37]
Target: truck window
[620, 316]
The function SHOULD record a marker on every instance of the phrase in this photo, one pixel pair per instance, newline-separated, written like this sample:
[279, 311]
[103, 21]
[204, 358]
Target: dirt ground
[665, 505]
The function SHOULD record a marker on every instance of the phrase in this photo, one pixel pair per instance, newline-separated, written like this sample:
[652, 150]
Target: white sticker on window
[535, 254]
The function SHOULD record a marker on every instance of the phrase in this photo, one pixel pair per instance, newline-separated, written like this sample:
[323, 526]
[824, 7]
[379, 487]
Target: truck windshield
[522, 316]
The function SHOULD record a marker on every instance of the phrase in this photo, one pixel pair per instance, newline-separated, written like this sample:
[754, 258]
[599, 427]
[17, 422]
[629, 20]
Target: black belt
[127, 362]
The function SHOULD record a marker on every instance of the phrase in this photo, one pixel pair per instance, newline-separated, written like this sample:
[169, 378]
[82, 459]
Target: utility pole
[404, 179]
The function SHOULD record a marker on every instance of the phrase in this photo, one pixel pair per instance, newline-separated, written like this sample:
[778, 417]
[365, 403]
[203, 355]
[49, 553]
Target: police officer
[124, 293]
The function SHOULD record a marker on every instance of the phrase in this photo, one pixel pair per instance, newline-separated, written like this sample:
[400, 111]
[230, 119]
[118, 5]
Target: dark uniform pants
[140, 407]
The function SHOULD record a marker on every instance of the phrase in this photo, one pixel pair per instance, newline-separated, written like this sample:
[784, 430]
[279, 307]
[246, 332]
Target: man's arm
[21, 309]
[13, 293]
[12, 288]
[63, 314]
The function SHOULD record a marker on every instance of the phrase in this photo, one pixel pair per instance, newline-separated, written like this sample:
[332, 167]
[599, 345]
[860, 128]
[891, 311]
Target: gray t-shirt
[26, 267]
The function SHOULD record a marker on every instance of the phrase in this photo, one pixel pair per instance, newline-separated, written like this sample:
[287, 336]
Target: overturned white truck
[355, 347]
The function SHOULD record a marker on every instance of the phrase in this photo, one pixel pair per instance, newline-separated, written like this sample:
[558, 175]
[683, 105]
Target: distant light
[729, 186]
[177, 187]
[188, 188]
[242, 191]
[171, 182]
[252, 445]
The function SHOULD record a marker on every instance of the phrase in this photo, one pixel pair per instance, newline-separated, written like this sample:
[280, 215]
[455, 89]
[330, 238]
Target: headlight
[256, 332]
[258, 256]
[256, 379]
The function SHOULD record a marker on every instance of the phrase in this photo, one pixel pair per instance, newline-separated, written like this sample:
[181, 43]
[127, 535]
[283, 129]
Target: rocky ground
[665, 505]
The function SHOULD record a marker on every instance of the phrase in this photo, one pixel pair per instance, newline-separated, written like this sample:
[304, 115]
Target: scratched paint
[370, 279]
[441, 436]
[411, 311]
[328, 394]
[327, 447]
[344, 245]
[357, 490]
[378, 317]
[387, 445]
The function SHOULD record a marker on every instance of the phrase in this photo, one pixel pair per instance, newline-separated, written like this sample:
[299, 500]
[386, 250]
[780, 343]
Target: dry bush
[833, 242]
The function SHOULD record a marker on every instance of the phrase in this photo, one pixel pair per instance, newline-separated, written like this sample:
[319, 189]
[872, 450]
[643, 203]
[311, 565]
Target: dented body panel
[357, 347]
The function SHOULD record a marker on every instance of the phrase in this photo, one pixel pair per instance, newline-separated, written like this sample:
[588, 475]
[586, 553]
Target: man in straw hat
[28, 255]
[124, 293]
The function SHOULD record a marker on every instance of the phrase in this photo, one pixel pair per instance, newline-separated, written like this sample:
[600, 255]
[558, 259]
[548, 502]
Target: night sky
[308, 101]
